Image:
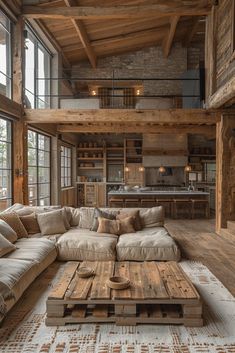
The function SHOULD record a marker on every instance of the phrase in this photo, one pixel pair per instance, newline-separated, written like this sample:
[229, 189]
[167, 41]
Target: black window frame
[11, 169]
[65, 167]
[37, 166]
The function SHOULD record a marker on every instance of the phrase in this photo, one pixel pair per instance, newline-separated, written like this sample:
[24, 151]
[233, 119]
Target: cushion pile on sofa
[31, 238]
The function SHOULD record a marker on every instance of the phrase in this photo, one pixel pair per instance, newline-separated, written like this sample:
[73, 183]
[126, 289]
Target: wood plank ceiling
[91, 37]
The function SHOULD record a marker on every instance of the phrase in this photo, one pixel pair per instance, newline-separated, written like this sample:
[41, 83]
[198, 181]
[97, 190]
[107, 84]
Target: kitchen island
[177, 203]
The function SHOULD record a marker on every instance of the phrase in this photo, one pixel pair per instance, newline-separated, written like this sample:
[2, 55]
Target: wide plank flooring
[198, 241]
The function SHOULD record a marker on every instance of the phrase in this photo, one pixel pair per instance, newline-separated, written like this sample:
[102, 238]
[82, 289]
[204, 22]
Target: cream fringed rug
[24, 330]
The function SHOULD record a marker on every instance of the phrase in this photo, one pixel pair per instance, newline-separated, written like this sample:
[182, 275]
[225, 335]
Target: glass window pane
[5, 164]
[32, 175]
[32, 139]
[5, 55]
[44, 202]
[44, 190]
[33, 192]
[32, 156]
[43, 142]
[44, 158]
[30, 66]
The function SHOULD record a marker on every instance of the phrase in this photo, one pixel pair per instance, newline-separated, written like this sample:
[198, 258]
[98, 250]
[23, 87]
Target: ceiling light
[187, 168]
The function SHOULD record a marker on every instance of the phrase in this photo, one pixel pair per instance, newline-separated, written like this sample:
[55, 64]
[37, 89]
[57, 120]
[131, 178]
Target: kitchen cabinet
[94, 194]
[134, 175]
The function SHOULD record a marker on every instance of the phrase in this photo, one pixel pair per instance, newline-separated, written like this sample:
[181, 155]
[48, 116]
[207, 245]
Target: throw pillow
[152, 217]
[15, 223]
[135, 214]
[86, 217]
[7, 231]
[5, 246]
[30, 223]
[102, 214]
[117, 227]
[51, 223]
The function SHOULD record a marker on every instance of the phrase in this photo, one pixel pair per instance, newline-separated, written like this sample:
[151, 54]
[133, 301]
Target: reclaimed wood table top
[156, 282]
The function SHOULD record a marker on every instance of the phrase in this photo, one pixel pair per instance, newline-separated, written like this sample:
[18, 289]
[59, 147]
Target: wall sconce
[127, 169]
[161, 170]
[187, 168]
[19, 172]
[93, 92]
[141, 169]
[138, 92]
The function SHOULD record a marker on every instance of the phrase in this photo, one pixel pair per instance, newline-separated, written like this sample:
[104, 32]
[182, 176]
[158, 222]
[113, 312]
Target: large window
[66, 166]
[37, 72]
[39, 168]
[5, 56]
[5, 163]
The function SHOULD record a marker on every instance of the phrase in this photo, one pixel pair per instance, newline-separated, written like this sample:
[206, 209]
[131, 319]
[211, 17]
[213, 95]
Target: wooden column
[225, 171]
[20, 169]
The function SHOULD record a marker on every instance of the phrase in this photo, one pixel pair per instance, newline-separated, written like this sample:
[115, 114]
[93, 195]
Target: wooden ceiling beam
[83, 36]
[191, 32]
[119, 12]
[157, 116]
[170, 37]
[134, 128]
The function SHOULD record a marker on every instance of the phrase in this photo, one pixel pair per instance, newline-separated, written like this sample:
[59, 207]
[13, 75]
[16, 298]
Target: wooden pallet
[159, 293]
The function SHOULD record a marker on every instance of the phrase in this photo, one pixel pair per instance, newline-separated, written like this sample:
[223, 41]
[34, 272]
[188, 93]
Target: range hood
[169, 150]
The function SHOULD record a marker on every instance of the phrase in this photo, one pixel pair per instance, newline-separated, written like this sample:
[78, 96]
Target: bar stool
[132, 203]
[203, 203]
[116, 202]
[179, 203]
[145, 202]
[166, 204]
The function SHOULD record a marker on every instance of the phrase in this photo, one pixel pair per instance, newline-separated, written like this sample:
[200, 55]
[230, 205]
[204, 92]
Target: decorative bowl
[84, 272]
[118, 282]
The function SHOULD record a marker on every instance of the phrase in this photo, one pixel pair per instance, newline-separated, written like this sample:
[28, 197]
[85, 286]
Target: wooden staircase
[229, 232]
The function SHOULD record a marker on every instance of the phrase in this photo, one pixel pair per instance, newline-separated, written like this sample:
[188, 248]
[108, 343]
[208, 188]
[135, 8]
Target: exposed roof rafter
[169, 40]
[82, 33]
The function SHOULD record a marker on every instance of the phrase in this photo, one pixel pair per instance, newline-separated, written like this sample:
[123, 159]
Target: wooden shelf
[90, 159]
[115, 158]
[115, 148]
[202, 155]
[90, 149]
[91, 168]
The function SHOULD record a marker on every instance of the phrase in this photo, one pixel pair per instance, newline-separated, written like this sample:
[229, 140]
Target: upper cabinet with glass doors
[37, 72]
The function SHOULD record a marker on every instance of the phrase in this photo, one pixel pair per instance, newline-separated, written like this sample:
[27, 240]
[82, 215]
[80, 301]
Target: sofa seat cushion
[83, 244]
[17, 274]
[148, 244]
[35, 249]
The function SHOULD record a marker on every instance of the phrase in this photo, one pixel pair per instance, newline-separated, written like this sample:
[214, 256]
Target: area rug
[24, 330]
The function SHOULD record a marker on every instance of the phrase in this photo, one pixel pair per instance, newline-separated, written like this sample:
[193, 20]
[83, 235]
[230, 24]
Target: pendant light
[162, 169]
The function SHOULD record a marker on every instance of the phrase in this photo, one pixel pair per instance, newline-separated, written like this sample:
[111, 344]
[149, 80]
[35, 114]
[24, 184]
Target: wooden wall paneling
[10, 107]
[68, 197]
[225, 164]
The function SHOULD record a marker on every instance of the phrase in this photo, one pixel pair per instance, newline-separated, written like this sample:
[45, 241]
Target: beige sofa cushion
[5, 246]
[51, 222]
[30, 223]
[17, 274]
[149, 244]
[15, 223]
[7, 231]
[33, 249]
[152, 217]
[83, 244]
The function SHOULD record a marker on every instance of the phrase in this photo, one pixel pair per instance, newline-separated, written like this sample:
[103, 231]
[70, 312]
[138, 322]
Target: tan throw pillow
[117, 227]
[152, 217]
[135, 214]
[7, 231]
[51, 223]
[30, 223]
[102, 214]
[5, 246]
[15, 223]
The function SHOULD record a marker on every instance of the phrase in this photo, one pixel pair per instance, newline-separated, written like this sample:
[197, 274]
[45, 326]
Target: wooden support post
[20, 179]
[224, 171]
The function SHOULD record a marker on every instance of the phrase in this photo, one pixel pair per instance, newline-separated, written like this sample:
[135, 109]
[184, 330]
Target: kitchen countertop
[157, 192]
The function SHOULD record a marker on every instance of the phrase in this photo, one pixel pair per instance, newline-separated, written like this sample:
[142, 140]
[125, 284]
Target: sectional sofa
[34, 253]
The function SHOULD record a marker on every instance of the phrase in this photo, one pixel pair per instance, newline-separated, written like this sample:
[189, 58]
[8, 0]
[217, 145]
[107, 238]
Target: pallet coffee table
[160, 292]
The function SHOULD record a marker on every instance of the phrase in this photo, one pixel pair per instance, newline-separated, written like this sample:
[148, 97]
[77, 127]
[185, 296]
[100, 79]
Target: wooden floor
[198, 241]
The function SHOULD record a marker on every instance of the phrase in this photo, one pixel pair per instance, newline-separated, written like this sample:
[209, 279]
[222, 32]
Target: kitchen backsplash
[174, 176]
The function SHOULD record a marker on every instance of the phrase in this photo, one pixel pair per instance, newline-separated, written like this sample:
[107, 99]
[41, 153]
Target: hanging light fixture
[187, 168]
[141, 169]
[162, 169]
